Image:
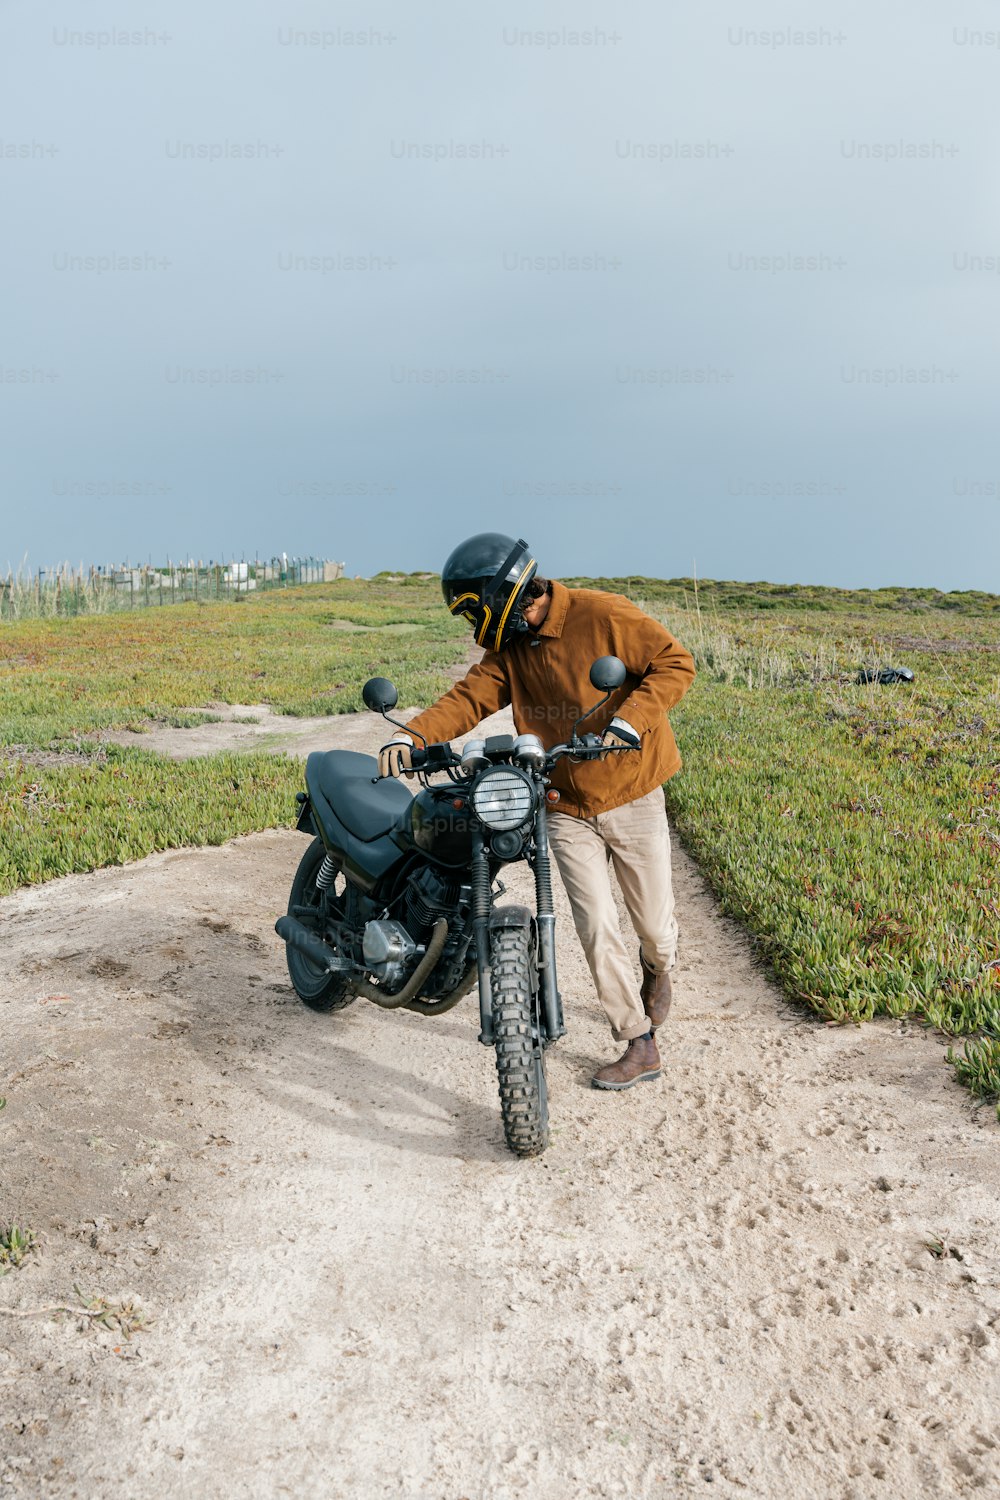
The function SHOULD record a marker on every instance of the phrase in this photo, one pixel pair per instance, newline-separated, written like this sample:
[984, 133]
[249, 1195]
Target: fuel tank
[440, 824]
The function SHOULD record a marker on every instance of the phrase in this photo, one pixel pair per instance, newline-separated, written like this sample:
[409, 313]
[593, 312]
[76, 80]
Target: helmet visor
[492, 605]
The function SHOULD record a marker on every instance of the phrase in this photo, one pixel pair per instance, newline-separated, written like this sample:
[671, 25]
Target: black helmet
[484, 581]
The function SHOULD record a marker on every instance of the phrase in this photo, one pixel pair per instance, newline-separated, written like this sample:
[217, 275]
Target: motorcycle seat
[367, 809]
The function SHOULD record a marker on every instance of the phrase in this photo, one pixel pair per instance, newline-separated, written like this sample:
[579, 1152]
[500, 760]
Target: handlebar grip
[432, 757]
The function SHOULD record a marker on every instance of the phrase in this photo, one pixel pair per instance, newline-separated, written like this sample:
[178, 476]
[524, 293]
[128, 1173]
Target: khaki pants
[635, 838]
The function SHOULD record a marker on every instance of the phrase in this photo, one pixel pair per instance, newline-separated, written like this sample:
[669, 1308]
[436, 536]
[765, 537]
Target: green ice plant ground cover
[854, 829]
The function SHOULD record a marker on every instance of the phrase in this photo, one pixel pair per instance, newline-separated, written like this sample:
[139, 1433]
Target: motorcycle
[396, 897]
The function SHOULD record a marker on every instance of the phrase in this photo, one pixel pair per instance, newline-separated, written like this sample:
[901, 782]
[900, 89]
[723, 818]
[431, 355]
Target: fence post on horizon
[62, 590]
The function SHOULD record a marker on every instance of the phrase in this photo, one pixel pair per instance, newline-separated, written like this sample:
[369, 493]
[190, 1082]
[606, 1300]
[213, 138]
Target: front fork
[482, 901]
[551, 998]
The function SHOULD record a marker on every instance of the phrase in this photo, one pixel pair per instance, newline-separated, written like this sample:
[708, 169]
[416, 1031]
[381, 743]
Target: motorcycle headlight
[503, 798]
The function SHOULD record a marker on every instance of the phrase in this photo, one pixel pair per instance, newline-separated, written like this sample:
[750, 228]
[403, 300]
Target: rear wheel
[524, 1100]
[314, 985]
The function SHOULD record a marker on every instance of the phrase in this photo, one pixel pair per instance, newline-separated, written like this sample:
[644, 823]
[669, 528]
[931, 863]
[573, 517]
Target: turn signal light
[552, 795]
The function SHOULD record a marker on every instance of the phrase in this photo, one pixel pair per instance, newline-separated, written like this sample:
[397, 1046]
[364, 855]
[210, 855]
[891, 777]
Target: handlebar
[587, 747]
[441, 757]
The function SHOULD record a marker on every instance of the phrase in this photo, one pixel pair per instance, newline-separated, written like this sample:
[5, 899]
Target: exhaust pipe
[297, 936]
[321, 953]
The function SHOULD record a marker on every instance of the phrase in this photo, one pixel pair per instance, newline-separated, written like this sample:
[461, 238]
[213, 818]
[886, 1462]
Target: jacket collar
[558, 609]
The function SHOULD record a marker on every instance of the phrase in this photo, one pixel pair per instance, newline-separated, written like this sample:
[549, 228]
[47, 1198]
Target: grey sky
[637, 413]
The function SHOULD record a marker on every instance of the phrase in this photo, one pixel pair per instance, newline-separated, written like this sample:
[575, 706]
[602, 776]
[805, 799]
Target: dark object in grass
[885, 676]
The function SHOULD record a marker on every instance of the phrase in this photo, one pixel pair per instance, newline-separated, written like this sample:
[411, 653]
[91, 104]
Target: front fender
[510, 916]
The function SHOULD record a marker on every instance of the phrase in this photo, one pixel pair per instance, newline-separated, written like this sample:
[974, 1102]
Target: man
[540, 639]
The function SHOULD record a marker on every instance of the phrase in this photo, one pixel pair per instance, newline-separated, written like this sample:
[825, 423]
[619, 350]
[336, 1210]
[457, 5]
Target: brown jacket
[545, 679]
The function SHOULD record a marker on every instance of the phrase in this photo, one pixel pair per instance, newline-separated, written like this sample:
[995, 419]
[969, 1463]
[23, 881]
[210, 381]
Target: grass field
[855, 830]
[68, 804]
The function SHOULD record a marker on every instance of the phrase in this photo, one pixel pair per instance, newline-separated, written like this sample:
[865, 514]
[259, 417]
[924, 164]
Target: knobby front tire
[524, 1100]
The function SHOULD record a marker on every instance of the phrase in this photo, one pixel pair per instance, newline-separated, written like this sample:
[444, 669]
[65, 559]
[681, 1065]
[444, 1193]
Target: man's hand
[396, 758]
[620, 735]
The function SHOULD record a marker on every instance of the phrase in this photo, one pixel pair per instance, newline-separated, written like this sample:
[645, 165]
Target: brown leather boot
[657, 993]
[639, 1063]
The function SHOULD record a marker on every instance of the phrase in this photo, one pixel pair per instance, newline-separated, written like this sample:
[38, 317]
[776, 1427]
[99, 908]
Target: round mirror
[607, 673]
[379, 695]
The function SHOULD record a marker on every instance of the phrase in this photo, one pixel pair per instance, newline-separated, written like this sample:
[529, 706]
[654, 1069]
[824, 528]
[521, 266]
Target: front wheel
[524, 1100]
[314, 985]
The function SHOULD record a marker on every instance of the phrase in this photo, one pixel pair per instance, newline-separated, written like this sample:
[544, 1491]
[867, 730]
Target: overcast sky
[654, 286]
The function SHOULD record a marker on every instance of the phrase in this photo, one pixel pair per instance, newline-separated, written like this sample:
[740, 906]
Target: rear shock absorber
[326, 872]
[481, 902]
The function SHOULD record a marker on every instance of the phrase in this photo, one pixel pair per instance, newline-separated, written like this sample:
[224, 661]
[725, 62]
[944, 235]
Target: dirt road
[718, 1284]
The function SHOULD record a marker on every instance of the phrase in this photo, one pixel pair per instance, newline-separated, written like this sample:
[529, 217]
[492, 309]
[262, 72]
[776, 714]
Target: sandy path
[246, 727]
[716, 1284]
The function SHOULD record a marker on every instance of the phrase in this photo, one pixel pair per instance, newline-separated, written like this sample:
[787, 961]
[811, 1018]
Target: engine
[388, 952]
[431, 894]
[391, 949]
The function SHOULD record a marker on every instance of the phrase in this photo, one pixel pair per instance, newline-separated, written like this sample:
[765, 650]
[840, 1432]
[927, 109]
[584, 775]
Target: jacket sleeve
[649, 652]
[483, 690]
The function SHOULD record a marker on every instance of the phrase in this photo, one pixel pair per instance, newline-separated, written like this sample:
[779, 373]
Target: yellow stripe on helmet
[480, 634]
[510, 602]
[461, 600]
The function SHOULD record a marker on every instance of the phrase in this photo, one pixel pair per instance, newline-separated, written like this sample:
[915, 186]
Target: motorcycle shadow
[324, 1069]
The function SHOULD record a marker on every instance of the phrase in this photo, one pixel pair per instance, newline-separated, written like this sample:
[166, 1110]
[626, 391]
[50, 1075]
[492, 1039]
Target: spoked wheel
[524, 1099]
[314, 985]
